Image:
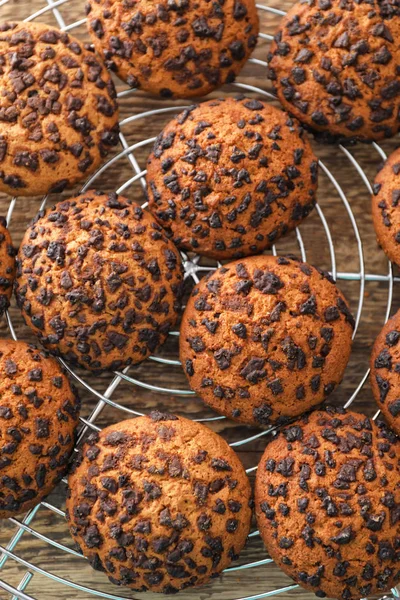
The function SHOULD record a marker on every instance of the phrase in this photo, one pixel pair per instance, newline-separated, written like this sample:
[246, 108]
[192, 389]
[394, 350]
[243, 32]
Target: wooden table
[253, 581]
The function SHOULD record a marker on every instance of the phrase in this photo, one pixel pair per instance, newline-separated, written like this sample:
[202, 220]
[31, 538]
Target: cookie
[385, 210]
[265, 339]
[174, 48]
[7, 266]
[98, 281]
[159, 503]
[58, 114]
[385, 371]
[227, 178]
[336, 67]
[38, 416]
[328, 504]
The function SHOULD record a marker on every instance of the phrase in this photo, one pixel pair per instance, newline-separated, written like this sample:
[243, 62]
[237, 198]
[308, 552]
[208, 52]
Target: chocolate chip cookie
[328, 504]
[174, 48]
[158, 503]
[386, 209]
[265, 339]
[229, 177]
[7, 266]
[98, 281]
[335, 65]
[58, 114]
[385, 371]
[38, 416]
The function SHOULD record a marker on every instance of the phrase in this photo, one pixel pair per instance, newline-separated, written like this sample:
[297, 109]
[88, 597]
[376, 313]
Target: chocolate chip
[392, 338]
[344, 536]
[383, 360]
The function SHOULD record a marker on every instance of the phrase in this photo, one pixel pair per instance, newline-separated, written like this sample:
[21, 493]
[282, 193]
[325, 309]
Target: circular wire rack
[195, 268]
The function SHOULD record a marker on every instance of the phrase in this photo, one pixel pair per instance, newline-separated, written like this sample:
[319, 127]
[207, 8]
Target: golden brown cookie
[159, 503]
[386, 209]
[385, 371]
[265, 339]
[98, 281]
[336, 67]
[229, 177]
[174, 48]
[38, 415]
[328, 504]
[7, 266]
[58, 114]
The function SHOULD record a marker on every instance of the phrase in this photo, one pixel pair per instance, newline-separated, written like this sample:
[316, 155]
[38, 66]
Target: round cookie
[265, 339]
[7, 266]
[159, 503]
[38, 415]
[58, 114]
[229, 177]
[385, 209]
[98, 281]
[328, 504]
[171, 48]
[335, 66]
[385, 371]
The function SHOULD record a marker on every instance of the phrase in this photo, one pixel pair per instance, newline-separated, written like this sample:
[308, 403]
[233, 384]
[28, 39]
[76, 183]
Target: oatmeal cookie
[335, 65]
[159, 503]
[174, 48]
[386, 209]
[265, 339]
[58, 114]
[7, 266]
[98, 281]
[385, 371]
[38, 415]
[229, 177]
[328, 504]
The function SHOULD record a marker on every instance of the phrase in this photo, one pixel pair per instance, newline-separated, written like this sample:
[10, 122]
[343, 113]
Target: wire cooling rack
[342, 244]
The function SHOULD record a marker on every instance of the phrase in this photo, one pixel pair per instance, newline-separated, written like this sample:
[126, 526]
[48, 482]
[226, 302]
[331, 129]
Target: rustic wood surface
[253, 581]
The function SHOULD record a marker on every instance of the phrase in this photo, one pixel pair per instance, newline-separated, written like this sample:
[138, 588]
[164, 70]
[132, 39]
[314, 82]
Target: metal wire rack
[194, 268]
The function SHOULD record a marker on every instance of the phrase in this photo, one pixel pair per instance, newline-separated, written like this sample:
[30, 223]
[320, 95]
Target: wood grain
[344, 232]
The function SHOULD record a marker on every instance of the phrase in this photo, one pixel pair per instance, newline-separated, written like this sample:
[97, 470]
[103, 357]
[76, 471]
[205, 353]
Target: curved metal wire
[192, 270]
[12, 590]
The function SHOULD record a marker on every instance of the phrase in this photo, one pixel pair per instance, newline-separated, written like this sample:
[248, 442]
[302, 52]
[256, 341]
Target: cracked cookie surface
[98, 281]
[336, 67]
[159, 503]
[38, 415]
[228, 177]
[264, 339]
[170, 48]
[385, 371]
[328, 504]
[58, 114]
